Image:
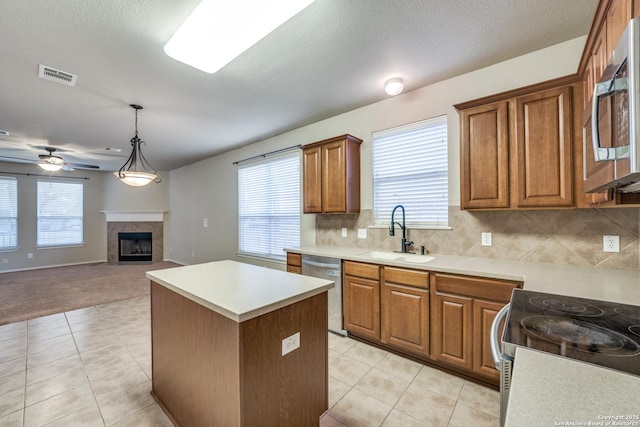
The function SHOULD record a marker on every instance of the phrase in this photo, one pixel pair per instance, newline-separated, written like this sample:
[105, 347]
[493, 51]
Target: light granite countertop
[236, 290]
[621, 286]
[548, 390]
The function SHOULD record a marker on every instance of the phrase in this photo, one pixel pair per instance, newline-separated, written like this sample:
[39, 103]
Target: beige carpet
[34, 293]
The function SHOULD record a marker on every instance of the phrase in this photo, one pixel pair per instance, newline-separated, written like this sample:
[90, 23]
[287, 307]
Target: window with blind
[60, 213]
[269, 206]
[8, 213]
[410, 169]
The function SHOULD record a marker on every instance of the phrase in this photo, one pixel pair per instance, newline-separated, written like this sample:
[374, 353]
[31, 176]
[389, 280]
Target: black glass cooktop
[599, 332]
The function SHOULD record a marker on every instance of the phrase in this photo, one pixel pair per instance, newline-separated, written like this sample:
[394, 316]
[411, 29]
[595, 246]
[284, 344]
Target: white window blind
[60, 213]
[8, 213]
[410, 169]
[269, 206]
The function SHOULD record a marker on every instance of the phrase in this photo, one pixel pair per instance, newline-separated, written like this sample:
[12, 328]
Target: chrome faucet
[392, 231]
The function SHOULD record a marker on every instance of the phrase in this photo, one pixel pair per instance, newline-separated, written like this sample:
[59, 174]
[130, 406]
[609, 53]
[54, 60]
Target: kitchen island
[234, 344]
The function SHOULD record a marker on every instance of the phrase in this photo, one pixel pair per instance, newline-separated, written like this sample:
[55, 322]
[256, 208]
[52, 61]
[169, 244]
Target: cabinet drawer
[475, 287]
[359, 269]
[403, 276]
[294, 269]
[294, 259]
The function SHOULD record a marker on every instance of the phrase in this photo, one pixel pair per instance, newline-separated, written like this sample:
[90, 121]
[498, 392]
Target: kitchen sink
[397, 256]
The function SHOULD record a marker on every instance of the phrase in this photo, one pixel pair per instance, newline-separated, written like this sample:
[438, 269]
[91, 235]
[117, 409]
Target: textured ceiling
[332, 57]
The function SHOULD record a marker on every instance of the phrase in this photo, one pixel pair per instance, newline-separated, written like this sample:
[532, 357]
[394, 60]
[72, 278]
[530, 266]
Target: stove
[599, 332]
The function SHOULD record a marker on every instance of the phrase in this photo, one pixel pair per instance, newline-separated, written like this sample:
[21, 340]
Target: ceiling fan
[51, 162]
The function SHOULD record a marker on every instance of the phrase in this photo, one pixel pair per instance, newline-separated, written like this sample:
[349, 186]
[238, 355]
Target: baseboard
[40, 267]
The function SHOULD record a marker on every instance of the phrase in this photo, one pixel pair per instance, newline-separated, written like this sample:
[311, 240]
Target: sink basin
[397, 256]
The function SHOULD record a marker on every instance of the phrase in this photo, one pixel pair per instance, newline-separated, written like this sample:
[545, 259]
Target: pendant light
[137, 171]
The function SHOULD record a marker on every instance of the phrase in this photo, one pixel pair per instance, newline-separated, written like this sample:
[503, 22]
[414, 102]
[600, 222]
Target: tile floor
[92, 367]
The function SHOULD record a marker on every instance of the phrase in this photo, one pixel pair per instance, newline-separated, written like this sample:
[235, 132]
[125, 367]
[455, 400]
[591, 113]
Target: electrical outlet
[290, 343]
[205, 223]
[30, 255]
[5, 260]
[486, 239]
[362, 233]
[193, 253]
[344, 231]
[611, 243]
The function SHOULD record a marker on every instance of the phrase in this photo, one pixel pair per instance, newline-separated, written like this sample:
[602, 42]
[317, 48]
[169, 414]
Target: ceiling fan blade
[17, 159]
[81, 166]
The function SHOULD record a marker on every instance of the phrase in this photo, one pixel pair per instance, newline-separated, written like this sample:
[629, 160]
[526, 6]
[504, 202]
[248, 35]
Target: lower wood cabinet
[483, 314]
[362, 299]
[405, 310]
[294, 263]
[452, 329]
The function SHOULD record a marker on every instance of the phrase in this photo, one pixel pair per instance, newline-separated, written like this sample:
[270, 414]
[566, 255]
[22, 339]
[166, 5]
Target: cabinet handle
[600, 91]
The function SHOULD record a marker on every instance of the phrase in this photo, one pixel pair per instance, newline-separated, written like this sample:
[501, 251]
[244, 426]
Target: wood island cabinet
[362, 299]
[405, 310]
[331, 175]
[518, 152]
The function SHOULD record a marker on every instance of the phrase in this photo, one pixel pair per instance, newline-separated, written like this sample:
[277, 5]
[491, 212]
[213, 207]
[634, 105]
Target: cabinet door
[543, 149]
[334, 177]
[618, 16]
[405, 318]
[483, 314]
[362, 306]
[312, 180]
[451, 328]
[485, 157]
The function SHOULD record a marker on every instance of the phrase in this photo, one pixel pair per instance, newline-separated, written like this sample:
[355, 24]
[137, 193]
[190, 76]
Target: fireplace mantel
[134, 216]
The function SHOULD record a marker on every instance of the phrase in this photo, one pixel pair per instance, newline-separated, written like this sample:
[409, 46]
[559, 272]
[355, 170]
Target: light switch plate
[486, 239]
[362, 233]
[290, 343]
[344, 231]
[205, 223]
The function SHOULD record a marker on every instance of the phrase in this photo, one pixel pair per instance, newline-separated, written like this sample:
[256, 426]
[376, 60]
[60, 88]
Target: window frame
[381, 218]
[12, 219]
[41, 240]
[245, 251]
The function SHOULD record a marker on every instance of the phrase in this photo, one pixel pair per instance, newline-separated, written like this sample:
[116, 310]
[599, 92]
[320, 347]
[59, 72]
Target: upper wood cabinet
[331, 175]
[518, 152]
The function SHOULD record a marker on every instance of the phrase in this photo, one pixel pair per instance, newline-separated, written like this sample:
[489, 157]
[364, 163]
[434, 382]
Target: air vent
[58, 76]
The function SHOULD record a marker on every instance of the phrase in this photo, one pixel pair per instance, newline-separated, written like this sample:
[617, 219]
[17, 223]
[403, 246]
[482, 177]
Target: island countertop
[236, 290]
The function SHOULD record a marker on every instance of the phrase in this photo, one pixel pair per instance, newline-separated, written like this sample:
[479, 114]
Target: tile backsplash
[553, 236]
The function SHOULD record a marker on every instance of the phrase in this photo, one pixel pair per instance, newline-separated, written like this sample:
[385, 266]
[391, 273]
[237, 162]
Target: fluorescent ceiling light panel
[217, 31]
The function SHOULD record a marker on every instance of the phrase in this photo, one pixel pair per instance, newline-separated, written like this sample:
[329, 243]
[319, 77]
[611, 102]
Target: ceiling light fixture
[217, 31]
[50, 162]
[137, 171]
[394, 86]
[49, 167]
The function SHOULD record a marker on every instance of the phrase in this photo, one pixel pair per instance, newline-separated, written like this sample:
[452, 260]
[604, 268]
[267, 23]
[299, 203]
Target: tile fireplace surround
[135, 222]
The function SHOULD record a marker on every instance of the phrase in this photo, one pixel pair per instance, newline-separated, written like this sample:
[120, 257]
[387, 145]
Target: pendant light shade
[137, 172]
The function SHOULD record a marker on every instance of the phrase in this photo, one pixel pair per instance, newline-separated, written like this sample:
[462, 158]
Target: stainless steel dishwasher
[330, 269]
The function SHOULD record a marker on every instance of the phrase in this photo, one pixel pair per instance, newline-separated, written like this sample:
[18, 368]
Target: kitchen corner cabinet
[405, 310]
[518, 152]
[462, 310]
[294, 263]
[362, 299]
[331, 175]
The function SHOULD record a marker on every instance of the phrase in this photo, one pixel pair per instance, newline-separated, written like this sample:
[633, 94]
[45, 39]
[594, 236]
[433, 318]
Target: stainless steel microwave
[612, 152]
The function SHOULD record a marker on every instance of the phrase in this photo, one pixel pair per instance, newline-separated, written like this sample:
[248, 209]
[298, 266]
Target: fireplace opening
[134, 247]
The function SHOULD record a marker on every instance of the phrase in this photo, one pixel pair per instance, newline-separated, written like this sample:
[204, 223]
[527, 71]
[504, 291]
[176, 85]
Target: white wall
[102, 192]
[208, 189]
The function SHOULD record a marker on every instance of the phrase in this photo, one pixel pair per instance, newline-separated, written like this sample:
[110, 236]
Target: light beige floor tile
[52, 319]
[55, 353]
[426, 406]
[62, 405]
[87, 417]
[121, 405]
[110, 363]
[49, 343]
[13, 366]
[13, 419]
[400, 419]
[91, 323]
[52, 386]
[11, 382]
[55, 368]
[152, 416]
[118, 382]
[464, 416]
[382, 386]
[13, 348]
[366, 353]
[339, 343]
[328, 421]
[482, 398]
[39, 335]
[348, 370]
[333, 355]
[13, 330]
[11, 401]
[82, 314]
[439, 381]
[92, 339]
[337, 390]
[399, 366]
[357, 409]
